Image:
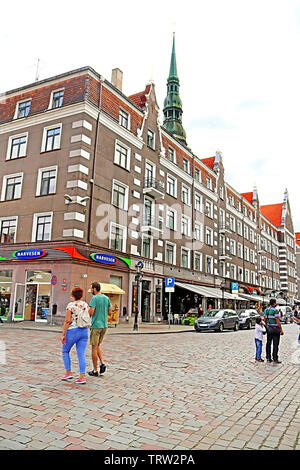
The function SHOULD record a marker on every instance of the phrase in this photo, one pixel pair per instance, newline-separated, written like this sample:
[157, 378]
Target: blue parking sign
[170, 281]
[234, 286]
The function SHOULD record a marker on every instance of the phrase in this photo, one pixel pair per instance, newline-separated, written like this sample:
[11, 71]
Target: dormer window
[124, 119]
[22, 109]
[57, 99]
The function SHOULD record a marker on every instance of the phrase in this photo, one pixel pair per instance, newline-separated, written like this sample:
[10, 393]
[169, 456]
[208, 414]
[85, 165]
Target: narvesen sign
[104, 259]
[32, 253]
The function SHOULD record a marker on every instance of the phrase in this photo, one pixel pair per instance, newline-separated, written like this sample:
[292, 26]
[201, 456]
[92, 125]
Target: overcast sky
[238, 63]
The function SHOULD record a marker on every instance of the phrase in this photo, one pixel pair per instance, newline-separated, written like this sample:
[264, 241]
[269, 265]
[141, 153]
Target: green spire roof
[172, 104]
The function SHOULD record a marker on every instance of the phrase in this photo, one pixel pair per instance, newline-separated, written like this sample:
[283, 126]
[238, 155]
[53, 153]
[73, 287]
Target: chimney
[117, 78]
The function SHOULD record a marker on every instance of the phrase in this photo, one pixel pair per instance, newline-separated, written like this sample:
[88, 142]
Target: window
[22, 109]
[122, 156]
[51, 138]
[222, 269]
[149, 172]
[185, 258]
[198, 202]
[57, 99]
[186, 165]
[12, 187]
[251, 236]
[222, 192]
[185, 226]
[171, 186]
[246, 253]
[232, 223]
[17, 146]
[117, 237]
[239, 228]
[209, 265]
[208, 209]
[247, 278]
[232, 247]
[240, 274]
[8, 230]
[151, 139]
[198, 234]
[170, 253]
[171, 219]
[209, 183]
[120, 195]
[198, 175]
[172, 155]
[240, 250]
[146, 247]
[246, 232]
[209, 236]
[124, 118]
[197, 261]
[252, 257]
[185, 194]
[42, 225]
[232, 271]
[46, 181]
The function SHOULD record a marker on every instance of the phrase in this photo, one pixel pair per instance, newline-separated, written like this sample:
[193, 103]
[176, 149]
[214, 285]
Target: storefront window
[38, 276]
[5, 293]
[5, 276]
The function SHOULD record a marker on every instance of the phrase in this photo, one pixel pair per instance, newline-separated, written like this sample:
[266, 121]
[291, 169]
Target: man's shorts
[97, 335]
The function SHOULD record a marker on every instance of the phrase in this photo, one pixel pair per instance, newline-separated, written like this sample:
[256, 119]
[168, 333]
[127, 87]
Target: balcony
[224, 228]
[150, 224]
[153, 188]
[224, 254]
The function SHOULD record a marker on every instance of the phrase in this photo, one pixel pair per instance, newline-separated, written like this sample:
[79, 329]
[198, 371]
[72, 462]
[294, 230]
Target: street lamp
[138, 279]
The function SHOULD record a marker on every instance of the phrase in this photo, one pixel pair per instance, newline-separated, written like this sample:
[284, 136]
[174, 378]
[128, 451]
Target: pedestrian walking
[200, 311]
[260, 330]
[74, 333]
[274, 330]
[100, 307]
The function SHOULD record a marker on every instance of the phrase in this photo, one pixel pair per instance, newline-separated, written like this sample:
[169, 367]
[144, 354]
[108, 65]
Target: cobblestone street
[173, 391]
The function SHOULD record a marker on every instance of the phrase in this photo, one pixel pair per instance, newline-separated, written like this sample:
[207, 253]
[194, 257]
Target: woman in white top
[73, 334]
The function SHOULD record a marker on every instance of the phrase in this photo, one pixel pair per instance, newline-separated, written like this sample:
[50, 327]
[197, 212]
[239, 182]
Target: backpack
[83, 319]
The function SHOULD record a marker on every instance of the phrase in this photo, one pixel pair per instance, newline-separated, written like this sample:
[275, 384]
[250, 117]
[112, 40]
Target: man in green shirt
[100, 307]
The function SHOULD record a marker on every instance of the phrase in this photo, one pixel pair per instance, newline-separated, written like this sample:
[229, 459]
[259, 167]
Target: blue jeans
[258, 344]
[78, 336]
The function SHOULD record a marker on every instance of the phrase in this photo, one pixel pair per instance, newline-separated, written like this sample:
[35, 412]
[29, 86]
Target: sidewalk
[123, 328]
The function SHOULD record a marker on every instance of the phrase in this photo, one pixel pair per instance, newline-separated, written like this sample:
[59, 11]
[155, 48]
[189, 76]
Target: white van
[286, 312]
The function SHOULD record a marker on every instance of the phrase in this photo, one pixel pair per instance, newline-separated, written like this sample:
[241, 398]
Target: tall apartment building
[92, 183]
[297, 239]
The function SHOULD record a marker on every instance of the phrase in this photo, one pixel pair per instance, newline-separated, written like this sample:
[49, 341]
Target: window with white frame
[232, 247]
[251, 235]
[222, 269]
[51, 138]
[209, 236]
[209, 209]
[198, 175]
[232, 271]
[151, 139]
[22, 109]
[8, 229]
[117, 240]
[42, 227]
[12, 187]
[240, 250]
[120, 195]
[246, 232]
[146, 246]
[198, 234]
[239, 228]
[253, 277]
[172, 155]
[197, 261]
[246, 253]
[222, 192]
[17, 146]
[124, 119]
[185, 257]
[171, 219]
[240, 273]
[232, 223]
[209, 264]
[209, 183]
[172, 186]
[185, 225]
[186, 165]
[56, 99]
[46, 182]
[170, 255]
[185, 194]
[252, 256]
[122, 155]
[247, 279]
[198, 202]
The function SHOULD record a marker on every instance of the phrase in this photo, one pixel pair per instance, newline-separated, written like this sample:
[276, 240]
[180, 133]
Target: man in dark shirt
[274, 330]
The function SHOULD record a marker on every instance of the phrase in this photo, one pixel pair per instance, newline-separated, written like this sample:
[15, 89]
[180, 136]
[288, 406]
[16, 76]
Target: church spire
[172, 104]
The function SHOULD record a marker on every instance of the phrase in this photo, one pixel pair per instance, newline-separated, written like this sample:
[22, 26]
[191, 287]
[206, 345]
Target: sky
[237, 61]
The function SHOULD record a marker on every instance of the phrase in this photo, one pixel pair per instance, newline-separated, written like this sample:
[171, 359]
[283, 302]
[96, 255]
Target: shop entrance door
[145, 303]
[30, 302]
[19, 301]
[37, 303]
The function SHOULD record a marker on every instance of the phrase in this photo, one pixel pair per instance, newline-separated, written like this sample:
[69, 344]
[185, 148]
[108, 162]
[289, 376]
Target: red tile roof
[272, 212]
[248, 196]
[297, 235]
[209, 162]
[140, 98]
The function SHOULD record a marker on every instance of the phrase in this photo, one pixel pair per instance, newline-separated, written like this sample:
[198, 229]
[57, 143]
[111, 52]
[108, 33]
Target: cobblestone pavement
[174, 391]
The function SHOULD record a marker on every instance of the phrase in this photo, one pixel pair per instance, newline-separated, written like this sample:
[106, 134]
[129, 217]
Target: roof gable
[272, 212]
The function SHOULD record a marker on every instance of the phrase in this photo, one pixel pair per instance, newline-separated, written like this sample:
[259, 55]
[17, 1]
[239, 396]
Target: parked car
[247, 318]
[218, 320]
[287, 313]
